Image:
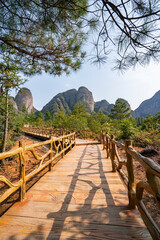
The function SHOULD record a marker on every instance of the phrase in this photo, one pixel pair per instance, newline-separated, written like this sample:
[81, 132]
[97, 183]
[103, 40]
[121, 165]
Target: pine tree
[120, 110]
[128, 28]
[46, 35]
[9, 79]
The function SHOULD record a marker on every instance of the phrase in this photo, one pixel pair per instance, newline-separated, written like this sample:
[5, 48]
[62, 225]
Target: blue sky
[134, 85]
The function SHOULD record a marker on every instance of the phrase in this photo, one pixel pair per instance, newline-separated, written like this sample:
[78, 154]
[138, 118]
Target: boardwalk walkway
[80, 199]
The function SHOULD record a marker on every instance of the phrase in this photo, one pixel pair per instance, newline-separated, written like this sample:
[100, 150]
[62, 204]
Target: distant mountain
[149, 106]
[106, 107]
[65, 101]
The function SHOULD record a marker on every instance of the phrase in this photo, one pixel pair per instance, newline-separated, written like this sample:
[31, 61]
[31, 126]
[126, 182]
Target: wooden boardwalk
[80, 199]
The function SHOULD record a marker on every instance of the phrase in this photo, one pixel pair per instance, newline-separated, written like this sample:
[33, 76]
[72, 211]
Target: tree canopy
[130, 28]
[46, 35]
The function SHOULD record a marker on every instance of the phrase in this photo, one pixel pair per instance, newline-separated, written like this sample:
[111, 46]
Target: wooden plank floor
[80, 199]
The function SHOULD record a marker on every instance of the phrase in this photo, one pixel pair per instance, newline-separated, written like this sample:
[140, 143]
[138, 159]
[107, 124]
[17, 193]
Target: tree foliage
[126, 128]
[151, 122]
[130, 29]
[79, 109]
[45, 35]
[9, 79]
[120, 110]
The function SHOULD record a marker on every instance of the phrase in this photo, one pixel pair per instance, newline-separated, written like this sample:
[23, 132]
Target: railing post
[74, 138]
[101, 137]
[70, 143]
[22, 171]
[104, 141]
[113, 154]
[107, 146]
[129, 165]
[51, 154]
[63, 147]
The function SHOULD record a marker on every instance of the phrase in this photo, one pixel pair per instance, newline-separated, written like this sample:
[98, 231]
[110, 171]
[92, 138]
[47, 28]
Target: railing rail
[57, 147]
[136, 190]
[80, 133]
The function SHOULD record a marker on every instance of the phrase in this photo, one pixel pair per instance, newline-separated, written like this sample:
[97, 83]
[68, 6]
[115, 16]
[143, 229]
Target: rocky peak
[70, 97]
[24, 98]
[65, 101]
[85, 96]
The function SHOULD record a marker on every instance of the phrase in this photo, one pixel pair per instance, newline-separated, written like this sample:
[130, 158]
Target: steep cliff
[85, 96]
[24, 98]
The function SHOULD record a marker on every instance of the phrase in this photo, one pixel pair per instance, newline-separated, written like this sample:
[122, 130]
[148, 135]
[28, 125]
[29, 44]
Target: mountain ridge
[66, 100]
[149, 106]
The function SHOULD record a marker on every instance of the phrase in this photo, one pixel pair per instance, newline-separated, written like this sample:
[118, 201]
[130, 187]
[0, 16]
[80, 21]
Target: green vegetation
[45, 35]
[48, 35]
[120, 110]
[142, 131]
[9, 79]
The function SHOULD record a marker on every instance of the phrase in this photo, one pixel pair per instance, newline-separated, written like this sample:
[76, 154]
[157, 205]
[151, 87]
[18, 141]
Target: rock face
[14, 104]
[85, 96]
[57, 103]
[103, 106]
[65, 101]
[70, 97]
[24, 98]
[150, 106]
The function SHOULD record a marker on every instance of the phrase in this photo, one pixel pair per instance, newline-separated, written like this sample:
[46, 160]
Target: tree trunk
[6, 124]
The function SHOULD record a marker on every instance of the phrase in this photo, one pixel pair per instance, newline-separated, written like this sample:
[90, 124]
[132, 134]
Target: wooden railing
[135, 190]
[55, 147]
[80, 133]
[58, 146]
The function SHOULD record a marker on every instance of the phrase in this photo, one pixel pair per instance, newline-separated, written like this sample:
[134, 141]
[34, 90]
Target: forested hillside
[119, 122]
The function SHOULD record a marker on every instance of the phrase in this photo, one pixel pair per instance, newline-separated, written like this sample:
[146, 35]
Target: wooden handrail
[135, 190]
[80, 133]
[57, 147]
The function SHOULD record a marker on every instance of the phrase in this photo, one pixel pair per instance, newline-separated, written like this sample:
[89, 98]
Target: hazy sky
[134, 85]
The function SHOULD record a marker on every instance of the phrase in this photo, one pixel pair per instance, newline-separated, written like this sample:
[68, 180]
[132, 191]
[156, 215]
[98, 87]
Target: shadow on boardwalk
[88, 220]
